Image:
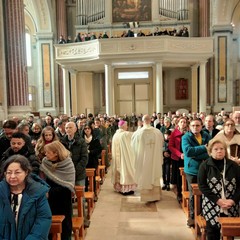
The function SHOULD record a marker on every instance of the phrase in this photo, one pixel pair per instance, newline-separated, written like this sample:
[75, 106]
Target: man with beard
[18, 146]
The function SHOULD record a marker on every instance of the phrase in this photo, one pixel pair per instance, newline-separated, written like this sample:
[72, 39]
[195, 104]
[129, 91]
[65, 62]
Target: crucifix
[151, 142]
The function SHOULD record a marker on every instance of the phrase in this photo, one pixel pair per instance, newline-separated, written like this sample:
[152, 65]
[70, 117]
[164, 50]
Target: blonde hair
[59, 149]
[215, 141]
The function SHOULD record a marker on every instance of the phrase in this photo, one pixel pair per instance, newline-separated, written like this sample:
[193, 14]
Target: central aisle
[118, 217]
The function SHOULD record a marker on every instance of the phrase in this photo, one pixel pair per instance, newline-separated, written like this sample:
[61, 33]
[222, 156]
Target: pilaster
[109, 89]
[194, 99]
[223, 68]
[159, 88]
[47, 83]
[202, 88]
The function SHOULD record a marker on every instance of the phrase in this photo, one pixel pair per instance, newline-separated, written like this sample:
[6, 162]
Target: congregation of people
[42, 160]
[83, 37]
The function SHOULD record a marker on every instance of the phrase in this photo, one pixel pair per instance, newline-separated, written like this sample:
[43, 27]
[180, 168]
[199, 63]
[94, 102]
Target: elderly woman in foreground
[219, 182]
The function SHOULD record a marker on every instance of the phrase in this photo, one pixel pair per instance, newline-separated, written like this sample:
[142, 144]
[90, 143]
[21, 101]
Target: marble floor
[118, 217]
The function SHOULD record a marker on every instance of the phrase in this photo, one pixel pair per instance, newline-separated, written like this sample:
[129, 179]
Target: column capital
[203, 62]
[73, 71]
[158, 62]
[108, 63]
[228, 28]
[43, 36]
[195, 66]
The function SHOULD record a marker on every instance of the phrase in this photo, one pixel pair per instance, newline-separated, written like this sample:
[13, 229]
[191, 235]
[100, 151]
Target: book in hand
[235, 150]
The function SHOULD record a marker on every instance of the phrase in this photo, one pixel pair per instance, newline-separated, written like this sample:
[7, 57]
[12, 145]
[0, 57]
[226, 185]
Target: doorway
[133, 91]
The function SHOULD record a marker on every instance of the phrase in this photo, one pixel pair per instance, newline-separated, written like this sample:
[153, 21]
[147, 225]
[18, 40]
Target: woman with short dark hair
[219, 182]
[24, 208]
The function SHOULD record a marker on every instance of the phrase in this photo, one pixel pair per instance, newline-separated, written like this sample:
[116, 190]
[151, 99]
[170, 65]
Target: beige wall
[84, 86]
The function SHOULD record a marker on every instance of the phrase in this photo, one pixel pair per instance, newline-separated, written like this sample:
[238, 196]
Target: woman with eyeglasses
[24, 208]
[231, 137]
[94, 148]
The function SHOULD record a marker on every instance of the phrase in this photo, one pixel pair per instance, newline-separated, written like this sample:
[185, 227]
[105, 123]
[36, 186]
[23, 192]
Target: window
[28, 50]
[133, 75]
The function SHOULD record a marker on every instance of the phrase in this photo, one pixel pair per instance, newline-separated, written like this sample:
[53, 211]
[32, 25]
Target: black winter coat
[94, 150]
[26, 152]
[210, 183]
[79, 155]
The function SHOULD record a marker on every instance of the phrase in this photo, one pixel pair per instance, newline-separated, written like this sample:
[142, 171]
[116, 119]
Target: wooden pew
[230, 227]
[78, 221]
[98, 184]
[56, 226]
[102, 166]
[109, 152]
[89, 195]
[200, 222]
[185, 192]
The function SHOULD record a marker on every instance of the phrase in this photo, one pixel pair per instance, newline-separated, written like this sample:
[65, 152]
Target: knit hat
[121, 123]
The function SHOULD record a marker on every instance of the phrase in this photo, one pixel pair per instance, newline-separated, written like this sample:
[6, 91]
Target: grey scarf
[62, 173]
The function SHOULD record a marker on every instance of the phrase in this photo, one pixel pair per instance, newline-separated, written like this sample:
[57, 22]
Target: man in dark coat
[209, 126]
[18, 146]
[79, 153]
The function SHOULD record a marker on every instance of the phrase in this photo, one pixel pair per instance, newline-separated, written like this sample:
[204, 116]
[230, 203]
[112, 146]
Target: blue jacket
[194, 153]
[34, 218]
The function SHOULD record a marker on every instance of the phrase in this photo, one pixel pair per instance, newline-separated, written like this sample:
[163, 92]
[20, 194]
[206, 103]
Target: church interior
[118, 57]
[118, 75]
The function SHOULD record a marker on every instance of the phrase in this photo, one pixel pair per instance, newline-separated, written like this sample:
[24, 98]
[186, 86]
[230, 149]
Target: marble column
[3, 82]
[74, 92]
[194, 100]
[66, 93]
[17, 89]
[159, 88]
[61, 30]
[204, 15]
[202, 88]
[61, 18]
[109, 90]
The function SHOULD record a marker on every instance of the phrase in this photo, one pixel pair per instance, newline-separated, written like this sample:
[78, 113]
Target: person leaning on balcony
[61, 40]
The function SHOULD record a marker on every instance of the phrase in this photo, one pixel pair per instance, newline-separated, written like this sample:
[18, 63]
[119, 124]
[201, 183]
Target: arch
[38, 15]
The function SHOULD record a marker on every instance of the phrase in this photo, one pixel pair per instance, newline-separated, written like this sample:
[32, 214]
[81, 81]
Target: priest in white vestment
[123, 161]
[147, 144]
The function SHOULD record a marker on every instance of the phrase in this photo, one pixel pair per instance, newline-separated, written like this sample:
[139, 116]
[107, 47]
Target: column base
[18, 111]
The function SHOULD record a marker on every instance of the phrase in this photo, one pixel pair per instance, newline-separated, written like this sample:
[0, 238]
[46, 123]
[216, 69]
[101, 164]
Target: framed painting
[181, 89]
[131, 10]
